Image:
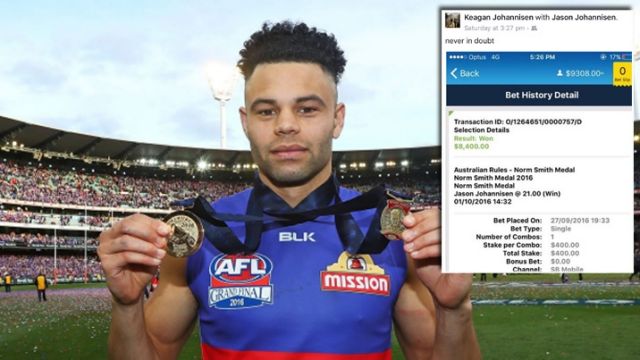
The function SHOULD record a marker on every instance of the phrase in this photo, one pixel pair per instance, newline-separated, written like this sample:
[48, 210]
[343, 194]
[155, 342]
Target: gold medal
[186, 234]
[391, 218]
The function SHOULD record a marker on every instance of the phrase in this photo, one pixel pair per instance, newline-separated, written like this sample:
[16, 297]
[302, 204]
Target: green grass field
[558, 332]
[74, 323]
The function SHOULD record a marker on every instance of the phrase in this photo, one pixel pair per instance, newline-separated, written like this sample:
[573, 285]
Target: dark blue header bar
[538, 95]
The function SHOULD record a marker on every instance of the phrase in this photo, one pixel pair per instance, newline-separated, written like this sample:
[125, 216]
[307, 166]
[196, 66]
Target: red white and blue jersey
[300, 296]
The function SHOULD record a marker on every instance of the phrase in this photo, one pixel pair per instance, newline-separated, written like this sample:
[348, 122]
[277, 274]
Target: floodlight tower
[222, 79]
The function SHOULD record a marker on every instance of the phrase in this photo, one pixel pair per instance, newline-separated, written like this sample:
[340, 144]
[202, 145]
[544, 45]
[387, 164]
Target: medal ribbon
[263, 201]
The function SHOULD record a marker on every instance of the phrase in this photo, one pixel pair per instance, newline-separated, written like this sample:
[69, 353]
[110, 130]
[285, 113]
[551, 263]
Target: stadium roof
[60, 141]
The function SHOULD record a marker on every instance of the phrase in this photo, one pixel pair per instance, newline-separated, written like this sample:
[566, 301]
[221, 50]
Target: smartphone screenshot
[537, 140]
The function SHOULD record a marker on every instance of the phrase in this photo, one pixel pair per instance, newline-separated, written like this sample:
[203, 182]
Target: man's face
[290, 117]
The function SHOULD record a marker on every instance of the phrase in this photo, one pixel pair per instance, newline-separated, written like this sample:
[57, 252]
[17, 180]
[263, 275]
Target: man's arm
[130, 252]
[159, 328]
[426, 289]
[426, 330]
[171, 312]
[455, 334]
[414, 318]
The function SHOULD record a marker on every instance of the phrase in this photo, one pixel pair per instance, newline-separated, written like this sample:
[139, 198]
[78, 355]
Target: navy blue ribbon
[266, 210]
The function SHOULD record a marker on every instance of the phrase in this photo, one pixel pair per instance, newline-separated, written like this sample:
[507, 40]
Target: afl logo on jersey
[240, 281]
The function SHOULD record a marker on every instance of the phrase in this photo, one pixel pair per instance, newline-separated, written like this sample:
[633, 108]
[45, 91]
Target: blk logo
[296, 237]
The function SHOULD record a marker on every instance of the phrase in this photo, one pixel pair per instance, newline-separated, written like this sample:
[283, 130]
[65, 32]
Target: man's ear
[243, 118]
[338, 120]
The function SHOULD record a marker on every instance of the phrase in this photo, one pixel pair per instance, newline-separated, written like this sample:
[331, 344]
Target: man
[8, 281]
[270, 304]
[636, 265]
[41, 286]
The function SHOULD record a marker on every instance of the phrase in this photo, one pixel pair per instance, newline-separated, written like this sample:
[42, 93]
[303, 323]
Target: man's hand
[130, 253]
[423, 244]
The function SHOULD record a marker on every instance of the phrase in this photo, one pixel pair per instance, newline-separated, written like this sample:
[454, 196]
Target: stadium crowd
[27, 217]
[26, 267]
[43, 240]
[48, 185]
[423, 192]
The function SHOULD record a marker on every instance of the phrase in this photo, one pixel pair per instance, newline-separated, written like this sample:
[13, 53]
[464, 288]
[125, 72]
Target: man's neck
[293, 195]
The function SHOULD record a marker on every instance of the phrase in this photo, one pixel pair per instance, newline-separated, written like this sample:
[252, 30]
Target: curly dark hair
[296, 42]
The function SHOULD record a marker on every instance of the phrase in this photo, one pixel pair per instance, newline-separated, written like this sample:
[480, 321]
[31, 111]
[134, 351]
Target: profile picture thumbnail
[452, 20]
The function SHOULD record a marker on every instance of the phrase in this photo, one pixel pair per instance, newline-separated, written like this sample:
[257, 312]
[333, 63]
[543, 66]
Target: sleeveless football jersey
[300, 296]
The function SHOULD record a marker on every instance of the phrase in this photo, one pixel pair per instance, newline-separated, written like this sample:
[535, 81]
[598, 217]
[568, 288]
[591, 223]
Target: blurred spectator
[636, 265]
[8, 281]
[41, 286]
